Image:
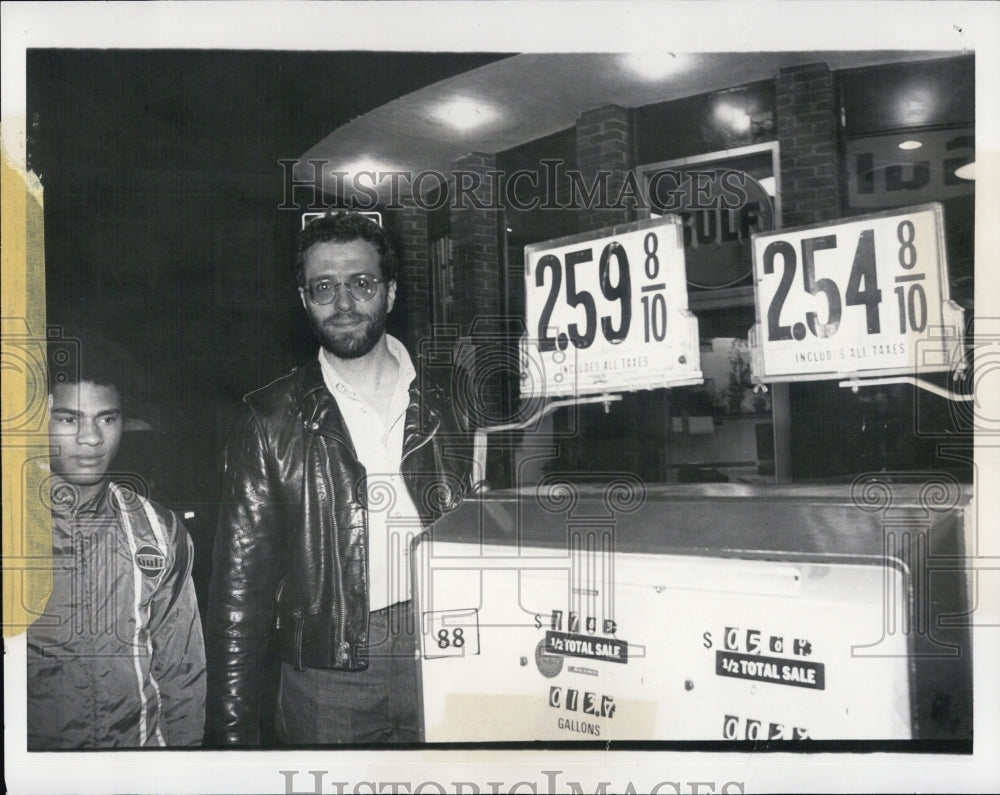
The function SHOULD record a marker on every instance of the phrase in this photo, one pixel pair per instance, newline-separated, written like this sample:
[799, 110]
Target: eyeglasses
[361, 287]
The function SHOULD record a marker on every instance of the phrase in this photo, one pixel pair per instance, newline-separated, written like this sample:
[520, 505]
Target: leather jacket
[291, 548]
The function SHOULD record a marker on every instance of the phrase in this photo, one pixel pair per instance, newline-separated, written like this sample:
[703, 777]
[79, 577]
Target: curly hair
[344, 227]
[77, 354]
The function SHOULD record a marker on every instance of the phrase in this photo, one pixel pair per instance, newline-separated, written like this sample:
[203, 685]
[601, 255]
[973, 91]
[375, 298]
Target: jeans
[320, 706]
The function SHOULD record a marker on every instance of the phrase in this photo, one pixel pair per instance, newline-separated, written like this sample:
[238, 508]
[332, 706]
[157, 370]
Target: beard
[355, 342]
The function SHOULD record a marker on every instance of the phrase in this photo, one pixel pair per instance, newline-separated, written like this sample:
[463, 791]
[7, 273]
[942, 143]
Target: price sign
[607, 311]
[866, 296]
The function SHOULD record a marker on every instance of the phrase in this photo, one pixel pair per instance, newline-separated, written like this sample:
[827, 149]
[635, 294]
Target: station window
[721, 430]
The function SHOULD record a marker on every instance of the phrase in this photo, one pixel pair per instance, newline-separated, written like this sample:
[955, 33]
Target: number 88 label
[868, 294]
[450, 633]
[608, 311]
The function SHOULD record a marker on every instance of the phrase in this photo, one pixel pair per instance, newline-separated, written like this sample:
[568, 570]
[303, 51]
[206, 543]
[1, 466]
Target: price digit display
[582, 298]
[823, 311]
[549, 264]
[620, 292]
[863, 271]
[775, 331]
[583, 294]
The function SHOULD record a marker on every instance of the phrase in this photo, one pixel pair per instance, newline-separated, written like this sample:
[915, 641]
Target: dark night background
[161, 188]
[162, 185]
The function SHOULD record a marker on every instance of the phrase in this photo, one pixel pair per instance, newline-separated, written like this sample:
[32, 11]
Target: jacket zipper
[341, 605]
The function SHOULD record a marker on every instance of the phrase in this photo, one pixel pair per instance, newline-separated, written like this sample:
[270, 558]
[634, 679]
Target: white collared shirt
[393, 518]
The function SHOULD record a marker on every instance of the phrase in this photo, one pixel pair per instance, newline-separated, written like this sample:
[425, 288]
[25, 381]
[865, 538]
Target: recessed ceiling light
[652, 65]
[968, 171]
[916, 106]
[464, 114]
[733, 117]
[910, 145]
[366, 163]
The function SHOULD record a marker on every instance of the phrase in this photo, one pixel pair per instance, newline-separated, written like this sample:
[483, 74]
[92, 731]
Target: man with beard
[329, 474]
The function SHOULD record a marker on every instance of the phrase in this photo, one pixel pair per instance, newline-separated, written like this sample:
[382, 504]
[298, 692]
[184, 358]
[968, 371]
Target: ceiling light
[733, 117]
[652, 65]
[916, 107]
[910, 145]
[968, 171]
[366, 163]
[464, 114]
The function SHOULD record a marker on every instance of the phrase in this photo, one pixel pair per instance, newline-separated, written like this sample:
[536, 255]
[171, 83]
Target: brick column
[604, 146]
[604, 149]
[807, 133]
[810, 193]
[474, 239]
[478, 282]
[414, 273]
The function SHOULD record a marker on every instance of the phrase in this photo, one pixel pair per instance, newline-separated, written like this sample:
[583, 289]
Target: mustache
[340, 316]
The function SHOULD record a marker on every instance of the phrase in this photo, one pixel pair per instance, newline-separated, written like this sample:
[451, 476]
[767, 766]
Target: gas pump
[626, 611]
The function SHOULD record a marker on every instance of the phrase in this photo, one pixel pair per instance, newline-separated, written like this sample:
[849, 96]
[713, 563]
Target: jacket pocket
[289, 627]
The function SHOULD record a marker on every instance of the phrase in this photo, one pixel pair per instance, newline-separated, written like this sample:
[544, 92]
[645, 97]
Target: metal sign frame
[533, 359]
[952, 315]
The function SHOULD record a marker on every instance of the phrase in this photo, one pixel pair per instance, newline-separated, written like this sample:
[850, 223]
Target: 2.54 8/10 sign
[864, 296]
[607, 311]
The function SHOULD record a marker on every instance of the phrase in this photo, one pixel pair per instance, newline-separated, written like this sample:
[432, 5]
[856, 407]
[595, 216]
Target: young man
[332, 469]
[117, 659]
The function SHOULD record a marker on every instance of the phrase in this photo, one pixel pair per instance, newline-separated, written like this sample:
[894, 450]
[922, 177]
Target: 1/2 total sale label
[867, 295]
[776, 670]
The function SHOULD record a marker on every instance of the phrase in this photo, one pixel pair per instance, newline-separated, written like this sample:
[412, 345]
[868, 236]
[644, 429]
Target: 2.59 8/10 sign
[867, 296]
[607, 311]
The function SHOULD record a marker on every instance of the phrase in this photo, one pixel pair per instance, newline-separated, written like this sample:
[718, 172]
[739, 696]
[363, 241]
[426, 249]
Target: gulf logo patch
[150, 560]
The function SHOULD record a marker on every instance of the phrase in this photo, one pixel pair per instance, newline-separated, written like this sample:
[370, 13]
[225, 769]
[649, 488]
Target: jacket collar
[65, 498]
[320, 413]
[310, 380]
